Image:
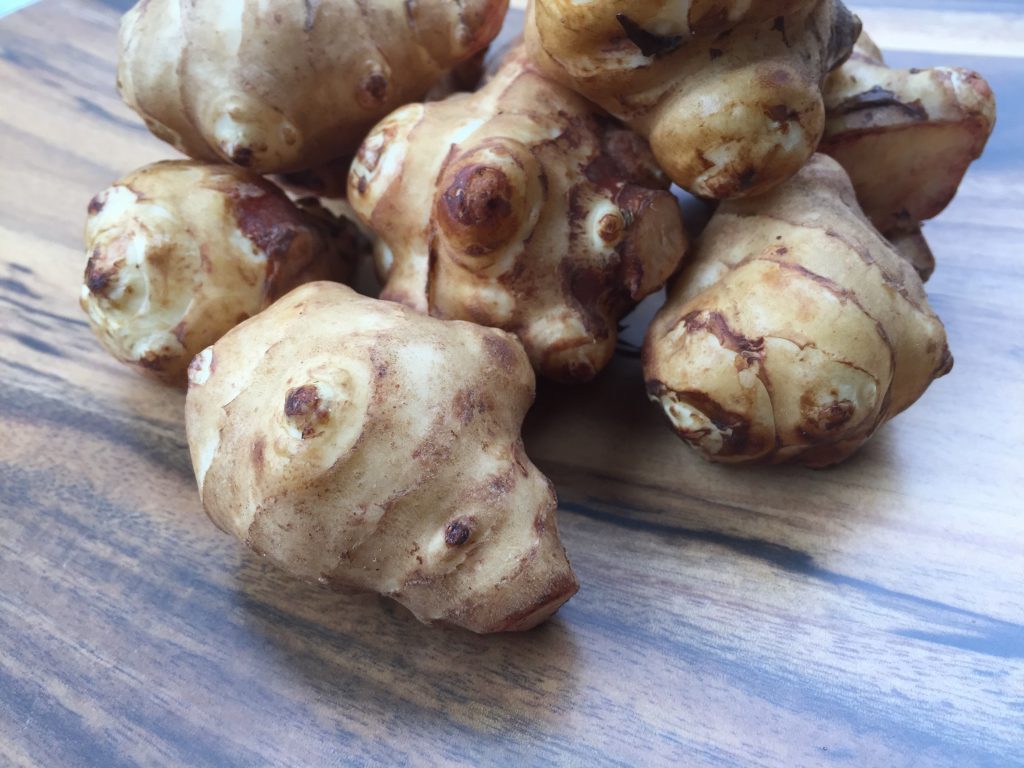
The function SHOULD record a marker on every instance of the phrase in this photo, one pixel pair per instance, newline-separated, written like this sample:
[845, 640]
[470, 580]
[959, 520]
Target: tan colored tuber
[285, 86]
[727, 91]
[331, 180]
[521, 207]
[795, 332]
[180, 252]
[358, 443]
[907, 138]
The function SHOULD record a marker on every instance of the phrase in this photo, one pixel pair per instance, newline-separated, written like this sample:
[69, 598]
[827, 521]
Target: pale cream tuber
[363, 445]
[795, 332]
[906, 138]
[728, 92]
[522, 207]
[180, 252]
[285, 86]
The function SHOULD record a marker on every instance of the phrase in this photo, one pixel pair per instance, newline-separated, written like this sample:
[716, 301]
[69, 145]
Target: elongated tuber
[280, 86]
[521, 207]
[358, 443]
[180, 252]
[906, 138]
[796, 331]
[728, 92]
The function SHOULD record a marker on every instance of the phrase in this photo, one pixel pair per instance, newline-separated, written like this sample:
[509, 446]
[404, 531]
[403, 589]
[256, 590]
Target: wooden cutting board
[871, 615]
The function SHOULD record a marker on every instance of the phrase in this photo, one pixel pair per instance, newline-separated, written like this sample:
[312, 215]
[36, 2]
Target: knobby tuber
[180, 252]
[522, 207]
[727, 92]
[280, 86]
[795, 332]
[906, 138]
[359, 443]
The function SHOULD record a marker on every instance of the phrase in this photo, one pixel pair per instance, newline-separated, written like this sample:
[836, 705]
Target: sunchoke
[522, 207]
[727, 91]
[358, 443]
[180, 252]
[906, 138]
[795, 332]
[280, 86]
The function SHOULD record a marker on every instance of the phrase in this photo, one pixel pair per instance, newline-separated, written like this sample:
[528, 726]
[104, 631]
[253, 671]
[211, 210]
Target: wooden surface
[872, 615]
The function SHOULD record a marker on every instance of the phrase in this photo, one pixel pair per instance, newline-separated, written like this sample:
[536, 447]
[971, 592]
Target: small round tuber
[795, 332]
[906, 138]
[180, 252]
[358, 443]
[280, 86]
[728, 93]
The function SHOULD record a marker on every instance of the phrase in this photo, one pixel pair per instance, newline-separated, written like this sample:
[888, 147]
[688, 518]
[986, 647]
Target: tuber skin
[360, 444]
[180, 252]
[279, 86]
[331, 180]
[906, 138]
[728, 92]
[795, 332]
[328, 181]
[521, 207]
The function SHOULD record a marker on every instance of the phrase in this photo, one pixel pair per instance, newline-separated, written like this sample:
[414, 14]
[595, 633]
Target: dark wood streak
[63, 319]
[95, 109]
[31, 371]
[36, 344]
[18, 287]
[143, 438]
[867, 615]
[992, 637]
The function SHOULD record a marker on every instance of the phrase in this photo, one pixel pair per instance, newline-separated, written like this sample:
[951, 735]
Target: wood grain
[871, 615]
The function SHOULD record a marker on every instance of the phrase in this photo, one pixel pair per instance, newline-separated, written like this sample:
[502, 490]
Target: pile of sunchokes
[373, 443]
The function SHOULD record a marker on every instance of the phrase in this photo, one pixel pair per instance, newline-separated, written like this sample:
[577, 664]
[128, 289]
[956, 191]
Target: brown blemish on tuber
[458, 531]
[373, 90]
[258, 449]
[501, 352]
[748, 350]
[468, 404]
[305, 410]
[821, 419]
[268, 220]
[611, 227]
[477, 209]
[97, 275]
